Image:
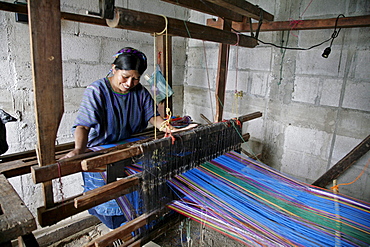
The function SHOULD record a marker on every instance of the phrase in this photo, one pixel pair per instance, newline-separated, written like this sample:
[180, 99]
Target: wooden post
[46, 57]
[223, 63]
[165, 54]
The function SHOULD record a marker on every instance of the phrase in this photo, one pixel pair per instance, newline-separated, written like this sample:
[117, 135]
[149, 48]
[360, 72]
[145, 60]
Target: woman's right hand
[72, 153]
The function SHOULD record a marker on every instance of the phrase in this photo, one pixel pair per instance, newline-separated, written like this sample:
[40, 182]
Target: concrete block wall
[320, 109]
[87, 54]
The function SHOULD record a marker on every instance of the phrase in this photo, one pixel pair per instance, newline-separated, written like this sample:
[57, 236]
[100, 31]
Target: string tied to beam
[336, 187]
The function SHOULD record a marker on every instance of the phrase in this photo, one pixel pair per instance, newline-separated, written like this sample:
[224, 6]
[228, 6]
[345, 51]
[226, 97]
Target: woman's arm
[81, 135]
[158, 121]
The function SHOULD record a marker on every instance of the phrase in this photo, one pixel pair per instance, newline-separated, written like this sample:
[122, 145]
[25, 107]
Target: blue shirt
[112, 117]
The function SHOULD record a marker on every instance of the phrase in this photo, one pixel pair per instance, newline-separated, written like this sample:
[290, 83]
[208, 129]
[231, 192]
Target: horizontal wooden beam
[107, 192]
[73, 165]
[102, 160]
[343, 22]
[150, 23]
[250, 116]
[244, 8]
[122, 231]
[208, 8]
[22, 9]
[58, 212]
[344, 164]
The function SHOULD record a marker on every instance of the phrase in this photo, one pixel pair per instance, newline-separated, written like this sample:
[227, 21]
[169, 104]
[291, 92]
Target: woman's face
[124, 80]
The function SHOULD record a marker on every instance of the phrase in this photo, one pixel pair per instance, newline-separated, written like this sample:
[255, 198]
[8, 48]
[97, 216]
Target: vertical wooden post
[46, 57]
[164, 54]
[223, 63]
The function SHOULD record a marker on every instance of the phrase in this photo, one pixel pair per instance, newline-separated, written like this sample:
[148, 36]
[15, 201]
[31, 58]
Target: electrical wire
[333, 36]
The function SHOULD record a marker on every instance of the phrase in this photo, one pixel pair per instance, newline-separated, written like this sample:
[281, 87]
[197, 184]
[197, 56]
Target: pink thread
[294, 23]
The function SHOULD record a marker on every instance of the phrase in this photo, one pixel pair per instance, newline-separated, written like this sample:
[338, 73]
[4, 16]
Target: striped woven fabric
[259, 206]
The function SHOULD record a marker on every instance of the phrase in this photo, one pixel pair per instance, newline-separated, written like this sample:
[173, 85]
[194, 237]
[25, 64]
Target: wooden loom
[45, 17]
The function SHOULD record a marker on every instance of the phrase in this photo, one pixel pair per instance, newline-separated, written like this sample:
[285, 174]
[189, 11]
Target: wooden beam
[345, 163]
[343, 22]
[61, 210]
[164, 54]
[208, 8]
[46, 58]
[223, 64]
[150, 23]
[244, 8]
[73, 165]
[250, 116]
[15, 218]
[22, 9]
[107, 192]
[122, 231]
[102, 160]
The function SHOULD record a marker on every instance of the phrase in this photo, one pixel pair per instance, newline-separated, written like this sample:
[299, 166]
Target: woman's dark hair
[129, 58]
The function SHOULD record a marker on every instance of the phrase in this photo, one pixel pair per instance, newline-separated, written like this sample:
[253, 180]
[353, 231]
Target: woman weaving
[112, 109]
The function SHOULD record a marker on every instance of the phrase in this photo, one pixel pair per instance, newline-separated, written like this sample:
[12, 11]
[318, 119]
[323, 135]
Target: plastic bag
[160, 89]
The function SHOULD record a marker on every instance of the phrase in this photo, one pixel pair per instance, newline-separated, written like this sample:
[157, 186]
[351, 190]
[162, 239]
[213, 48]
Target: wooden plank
[345, 163]
[107, 192]
[61, 210]
[162, 50]
[15, 218]
[102, 160]
[46, 57]
[343, 22]
[150, 23]
[250, 116]
[244, 8]
[73, 165]
[208, 8]
[223, 63]
[31, 154]
[123, 231]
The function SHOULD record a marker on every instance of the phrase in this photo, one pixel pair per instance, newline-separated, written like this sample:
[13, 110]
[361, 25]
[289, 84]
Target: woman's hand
[74, 152]
[81, 134]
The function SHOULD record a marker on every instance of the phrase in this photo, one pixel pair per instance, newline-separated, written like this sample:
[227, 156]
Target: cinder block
[85, 49]
[253, 59]
[323, 8]
[197, 58]
[312, 63]
[102, 31]
[70, 74]
[330, 93]
[198, 78]
[362, 65]
[72, 99]
[310, 141]
[306, 89]
[240, 77]
[6, 100]
[6, 74]
[88, 73]
[259, 85]
[357, 95]
[353, 124]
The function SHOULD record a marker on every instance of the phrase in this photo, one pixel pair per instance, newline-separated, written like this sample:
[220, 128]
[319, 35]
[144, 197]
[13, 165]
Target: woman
[112, 109]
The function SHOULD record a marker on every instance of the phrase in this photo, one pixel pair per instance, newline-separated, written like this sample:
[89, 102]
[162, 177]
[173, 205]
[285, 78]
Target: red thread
[60, 181]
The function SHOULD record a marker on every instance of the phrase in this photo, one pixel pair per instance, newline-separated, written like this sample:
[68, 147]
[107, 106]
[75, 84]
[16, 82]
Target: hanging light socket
[326, 52]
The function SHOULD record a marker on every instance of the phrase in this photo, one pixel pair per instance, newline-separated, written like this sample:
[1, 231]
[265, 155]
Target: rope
[336, 187]
[165, 124]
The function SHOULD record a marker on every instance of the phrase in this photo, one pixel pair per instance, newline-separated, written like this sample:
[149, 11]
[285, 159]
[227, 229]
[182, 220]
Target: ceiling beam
[208, 8]
[151, 23]
[343, 22]
[244, 8]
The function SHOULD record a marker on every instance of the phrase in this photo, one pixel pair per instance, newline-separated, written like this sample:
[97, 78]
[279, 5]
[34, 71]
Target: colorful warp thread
[258, 206]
